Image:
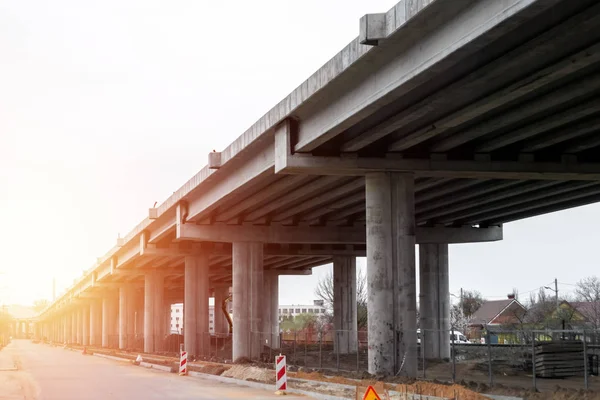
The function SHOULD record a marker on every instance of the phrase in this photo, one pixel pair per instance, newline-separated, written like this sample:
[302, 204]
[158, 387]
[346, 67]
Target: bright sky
[107, 107]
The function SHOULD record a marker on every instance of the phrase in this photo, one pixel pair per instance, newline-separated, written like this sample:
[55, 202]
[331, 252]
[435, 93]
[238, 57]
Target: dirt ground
[471, 376]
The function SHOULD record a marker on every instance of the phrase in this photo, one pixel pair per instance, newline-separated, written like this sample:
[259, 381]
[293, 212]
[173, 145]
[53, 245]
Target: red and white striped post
[281, 374]
[182, 361]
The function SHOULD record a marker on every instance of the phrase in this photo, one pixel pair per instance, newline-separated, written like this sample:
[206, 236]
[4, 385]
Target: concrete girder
[315, 216]
[482, 198]
[572, 132]
[566, 94]
[450, 187]
[509, 94]
[544, 208]
[482, 188]
[414, 61]
[464, 89]
[515, 200]
[348, 205]
[306, 192]
[327, 234]
[474, 169]
[261, 197]
[585, 144]
[548, 123]
[339, 192]
[579, 193]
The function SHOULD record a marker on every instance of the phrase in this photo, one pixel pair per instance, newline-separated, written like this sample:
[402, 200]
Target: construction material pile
[559, 359]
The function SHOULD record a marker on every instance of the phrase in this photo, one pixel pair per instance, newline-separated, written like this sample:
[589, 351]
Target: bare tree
[324, 291]
[588, 291]
[40, 305]
[470, 302]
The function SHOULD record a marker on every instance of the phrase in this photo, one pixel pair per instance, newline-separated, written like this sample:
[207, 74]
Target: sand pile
[248, 373]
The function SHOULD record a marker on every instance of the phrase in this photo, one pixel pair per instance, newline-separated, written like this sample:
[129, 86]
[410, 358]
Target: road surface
[53, 373]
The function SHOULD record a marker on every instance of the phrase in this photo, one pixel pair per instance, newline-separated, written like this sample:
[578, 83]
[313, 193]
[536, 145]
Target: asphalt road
[53, 373]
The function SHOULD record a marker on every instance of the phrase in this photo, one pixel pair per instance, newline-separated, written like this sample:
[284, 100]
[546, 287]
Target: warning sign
[371, 394]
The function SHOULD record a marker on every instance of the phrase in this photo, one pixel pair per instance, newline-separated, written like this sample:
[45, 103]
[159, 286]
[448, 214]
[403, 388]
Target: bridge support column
[220, 322]
[159, 310]
[95, 323]
[195, 305]
[126, 321]
[247, 292]
[67, 330]
[391, 273]
[73, 338]
[344, 304]
[149, 289]
[271, 309]
[79, 319]
[434, 300]
[109, 320]
[85, 321]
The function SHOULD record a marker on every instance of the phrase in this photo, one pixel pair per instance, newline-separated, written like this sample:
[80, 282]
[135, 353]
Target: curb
[264, 386]
[239, 382]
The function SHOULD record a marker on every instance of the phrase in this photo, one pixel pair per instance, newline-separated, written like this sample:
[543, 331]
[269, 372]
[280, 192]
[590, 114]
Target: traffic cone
[138, 359]
[84, 352]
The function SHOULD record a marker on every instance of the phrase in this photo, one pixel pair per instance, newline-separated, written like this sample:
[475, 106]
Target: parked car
[458, 337]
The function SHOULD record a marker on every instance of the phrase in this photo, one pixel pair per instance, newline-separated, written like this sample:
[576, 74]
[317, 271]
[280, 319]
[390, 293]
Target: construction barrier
[183, 363]
[281, 374]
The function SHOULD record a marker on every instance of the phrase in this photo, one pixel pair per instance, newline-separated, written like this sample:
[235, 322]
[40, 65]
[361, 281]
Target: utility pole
[556, 293]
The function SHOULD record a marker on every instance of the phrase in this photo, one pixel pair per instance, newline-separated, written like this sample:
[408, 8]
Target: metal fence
[505, 357]
[513, 358]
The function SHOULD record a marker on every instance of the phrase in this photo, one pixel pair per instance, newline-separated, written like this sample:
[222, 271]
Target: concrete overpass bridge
[441, 121]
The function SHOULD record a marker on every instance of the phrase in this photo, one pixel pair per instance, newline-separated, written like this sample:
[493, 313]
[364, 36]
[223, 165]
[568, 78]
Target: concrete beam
[497, 99]
[326, 235]
[481, 198]
[473, 169]
[292, 271]
[474, 209]
[449, 34]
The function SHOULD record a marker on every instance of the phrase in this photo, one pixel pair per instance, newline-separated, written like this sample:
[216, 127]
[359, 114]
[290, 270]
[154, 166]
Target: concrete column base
[344, 305]
[434, 300]
[391, 275]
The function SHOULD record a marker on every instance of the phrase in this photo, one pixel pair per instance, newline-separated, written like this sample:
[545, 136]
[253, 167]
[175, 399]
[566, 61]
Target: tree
[458, 319]
[470, 302]
[324, 291]
[588, 291]
[40, 305]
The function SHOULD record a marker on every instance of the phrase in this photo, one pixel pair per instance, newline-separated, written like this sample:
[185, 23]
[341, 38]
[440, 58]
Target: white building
[287, 311]
[177, 318]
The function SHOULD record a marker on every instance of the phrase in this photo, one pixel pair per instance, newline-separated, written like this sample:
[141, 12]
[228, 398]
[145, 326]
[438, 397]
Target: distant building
[291, 311]
[497, 316]
[177, 318]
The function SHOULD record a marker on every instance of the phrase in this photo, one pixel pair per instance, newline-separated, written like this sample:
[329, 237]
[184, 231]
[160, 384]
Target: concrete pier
[434, 299]
[344, 305]
[195, 304]
[271, 309]
[95, 323]
[73, 338]
[149, 312]
[247, 291]
[126, 316]
[79, 330]
[391, 274]
[107, 316]
[159, 310]
[85, 322]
